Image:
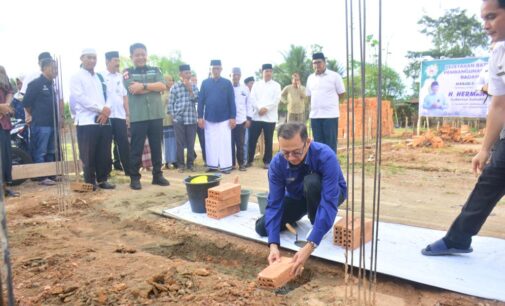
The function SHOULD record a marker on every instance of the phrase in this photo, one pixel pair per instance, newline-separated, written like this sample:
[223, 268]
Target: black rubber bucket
[198, 192]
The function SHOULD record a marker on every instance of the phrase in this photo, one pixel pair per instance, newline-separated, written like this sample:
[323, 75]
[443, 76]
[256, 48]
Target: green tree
[455, 34]
[392, 85]
[295, 60]
[332, 64]
[168, 65]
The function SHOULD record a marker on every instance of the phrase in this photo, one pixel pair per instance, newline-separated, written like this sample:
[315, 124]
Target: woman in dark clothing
[5, 127]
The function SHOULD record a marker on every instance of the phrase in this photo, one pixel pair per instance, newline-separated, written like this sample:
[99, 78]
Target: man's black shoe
[242, 168]
[248, 165]
[160, 180]
[106, 185]
[135, 185]
[209, 170]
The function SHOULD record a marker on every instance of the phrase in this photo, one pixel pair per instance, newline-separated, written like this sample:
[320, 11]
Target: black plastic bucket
[197, 192]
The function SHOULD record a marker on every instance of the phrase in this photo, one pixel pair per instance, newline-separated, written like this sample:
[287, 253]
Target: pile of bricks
[223, 200]
[370, 119]
[344, 236]
[277, 274]
[462, 135]
[428, 139]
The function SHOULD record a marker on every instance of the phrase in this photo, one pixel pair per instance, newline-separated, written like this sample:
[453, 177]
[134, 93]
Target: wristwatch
[312, 244]
[145, 86]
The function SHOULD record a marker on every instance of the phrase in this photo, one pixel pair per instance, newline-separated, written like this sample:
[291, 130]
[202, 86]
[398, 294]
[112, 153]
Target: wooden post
[419, 126]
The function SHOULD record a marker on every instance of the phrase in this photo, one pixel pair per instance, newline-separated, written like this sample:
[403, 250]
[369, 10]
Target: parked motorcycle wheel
[19, 157]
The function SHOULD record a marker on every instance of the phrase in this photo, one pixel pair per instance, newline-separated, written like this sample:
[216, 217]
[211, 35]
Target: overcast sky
[240, 33]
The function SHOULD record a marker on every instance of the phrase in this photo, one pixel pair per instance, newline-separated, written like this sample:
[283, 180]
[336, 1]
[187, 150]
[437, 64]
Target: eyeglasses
[295, 153]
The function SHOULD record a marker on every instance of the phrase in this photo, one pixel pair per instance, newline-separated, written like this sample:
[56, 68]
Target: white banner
[451, 88]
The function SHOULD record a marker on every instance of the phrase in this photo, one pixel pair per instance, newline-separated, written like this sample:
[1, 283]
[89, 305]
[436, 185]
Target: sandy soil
[108, 249]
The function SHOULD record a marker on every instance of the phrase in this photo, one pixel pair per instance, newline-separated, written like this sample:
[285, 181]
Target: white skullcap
[86, 51]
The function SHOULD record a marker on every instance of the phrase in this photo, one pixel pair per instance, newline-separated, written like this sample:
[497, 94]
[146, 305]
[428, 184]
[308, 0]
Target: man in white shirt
[491, 184]
[248, 82]
[243, 119]
[117, 99]
[265, 98]
[94, 133]
[325, 88]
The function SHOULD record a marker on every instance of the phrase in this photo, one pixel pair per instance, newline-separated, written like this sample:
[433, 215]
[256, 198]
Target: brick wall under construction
[370, 119]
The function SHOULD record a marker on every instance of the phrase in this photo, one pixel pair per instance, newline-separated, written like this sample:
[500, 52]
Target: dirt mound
[445, 134]
[426, 140]
[460, 135]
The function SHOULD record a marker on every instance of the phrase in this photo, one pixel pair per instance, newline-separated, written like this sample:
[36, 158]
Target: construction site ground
[109, 249]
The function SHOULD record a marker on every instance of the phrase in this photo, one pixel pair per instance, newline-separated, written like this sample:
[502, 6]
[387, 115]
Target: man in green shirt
[294, 96]
[144, 84]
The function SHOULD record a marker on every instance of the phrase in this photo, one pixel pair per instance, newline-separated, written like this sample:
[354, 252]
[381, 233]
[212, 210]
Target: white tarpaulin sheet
[481, 273]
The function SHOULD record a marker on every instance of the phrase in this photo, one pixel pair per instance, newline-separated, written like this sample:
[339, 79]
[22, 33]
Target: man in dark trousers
[304, 178]
[265, 97]
[182, 107]
[490, 161]
[244, 113]
[41, 104]
[144, 84]
[117, 99]
[94, 133]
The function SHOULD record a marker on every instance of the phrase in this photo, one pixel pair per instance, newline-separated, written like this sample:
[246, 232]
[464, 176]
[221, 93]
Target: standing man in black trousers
[490, 161]
[144, 84]
[265, 97]
[94, 133]
[117, 99]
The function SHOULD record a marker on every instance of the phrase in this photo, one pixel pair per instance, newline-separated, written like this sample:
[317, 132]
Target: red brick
[81, 187]
[218, 214]
[224, 191]
[220, 204]
[370, 118]
[345, 237]
[277, 274]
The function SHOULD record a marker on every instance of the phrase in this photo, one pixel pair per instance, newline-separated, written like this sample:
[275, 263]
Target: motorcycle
[20, 151]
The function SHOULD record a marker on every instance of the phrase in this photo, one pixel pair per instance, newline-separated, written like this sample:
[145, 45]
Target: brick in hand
[277, 274]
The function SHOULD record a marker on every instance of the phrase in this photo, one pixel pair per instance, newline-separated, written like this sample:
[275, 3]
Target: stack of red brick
[347, 236]
[462, 135]
[223, 200]
[370, 118]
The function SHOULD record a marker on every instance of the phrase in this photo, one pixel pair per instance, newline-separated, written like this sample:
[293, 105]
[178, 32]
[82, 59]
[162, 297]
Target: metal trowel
[298, 243]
